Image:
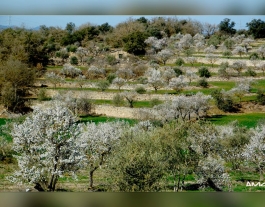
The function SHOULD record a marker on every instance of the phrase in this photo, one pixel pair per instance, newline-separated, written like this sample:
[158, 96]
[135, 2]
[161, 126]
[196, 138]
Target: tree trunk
[213, 186]
[261, 176]
[91, 173]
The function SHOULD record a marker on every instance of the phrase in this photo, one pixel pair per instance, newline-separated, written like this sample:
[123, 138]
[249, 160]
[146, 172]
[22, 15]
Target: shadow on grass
[215, 118]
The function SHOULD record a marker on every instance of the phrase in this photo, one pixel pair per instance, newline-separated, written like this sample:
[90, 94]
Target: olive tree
[15, 81]
[137, 165]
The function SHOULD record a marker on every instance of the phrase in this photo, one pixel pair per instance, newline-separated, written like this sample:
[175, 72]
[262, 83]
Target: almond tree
[210, 170]
[156, 44]
[186, 41]
[242, 87]
[47, 146]
[199, 46]
[191, 60]
[81, 80]
[211, 58]
[168, 74]
[255, 61]
[94, 72]
[210, 49]
[261, 66]
[125, 73]
[261, 51]
[246, 43]
[100, 140]
[200, 104]
[81, 53]
[254, 151]
[130, 96]
[164, 55]
[177, 83]
[70, 71]
[154, 78]
[54, 78]
[190, 75]
[239, 50]
[233, 139]
[239, 66]
[119, 82]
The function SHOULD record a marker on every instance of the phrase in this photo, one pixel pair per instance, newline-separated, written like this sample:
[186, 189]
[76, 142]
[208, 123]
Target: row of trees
[50, 144]
[34, 47]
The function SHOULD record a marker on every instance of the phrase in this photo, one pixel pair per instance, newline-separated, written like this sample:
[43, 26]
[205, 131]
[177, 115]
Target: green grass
[137, 104]
[98, 119]
[2, 121]
[248, 120]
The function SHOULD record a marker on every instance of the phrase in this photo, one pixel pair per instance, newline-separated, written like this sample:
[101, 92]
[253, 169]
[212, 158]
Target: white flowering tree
[246, 43]
[233, 139]
[242, 87]
[239, 66]
[181, 107]
[81, 80]
[211, 172]
[261, 51]
[211, 58]
[239, 50]
[168, 74]
[210, 49]
[200, 104]
[125, 73]
[261, 66]
[95, 72]
[54, 78]
[130, 96]
[199, 46]
[119, 82]
[79, 105]
[154, 78]
[254, 151]
[47, 146]
[164, 55]
[191, 60]
[177, 83]
[156, 44]
[198, 38]
[186, 41]
[100, 140]
[190, 75]
[70, 71]
[164, 112]
[81, 52]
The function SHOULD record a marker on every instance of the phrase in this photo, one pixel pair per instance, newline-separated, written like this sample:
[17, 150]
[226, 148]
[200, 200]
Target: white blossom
[47, 145]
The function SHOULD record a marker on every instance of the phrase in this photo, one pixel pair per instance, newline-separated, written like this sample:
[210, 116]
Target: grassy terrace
[249, 120]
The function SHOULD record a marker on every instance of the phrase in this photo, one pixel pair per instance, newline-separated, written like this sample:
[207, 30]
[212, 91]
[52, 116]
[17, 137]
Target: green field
[98, 119]
[248, 120]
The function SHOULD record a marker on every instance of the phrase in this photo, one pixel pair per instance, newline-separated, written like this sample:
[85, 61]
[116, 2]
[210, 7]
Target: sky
[32, 13]
[32, 21]
[132, 7]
